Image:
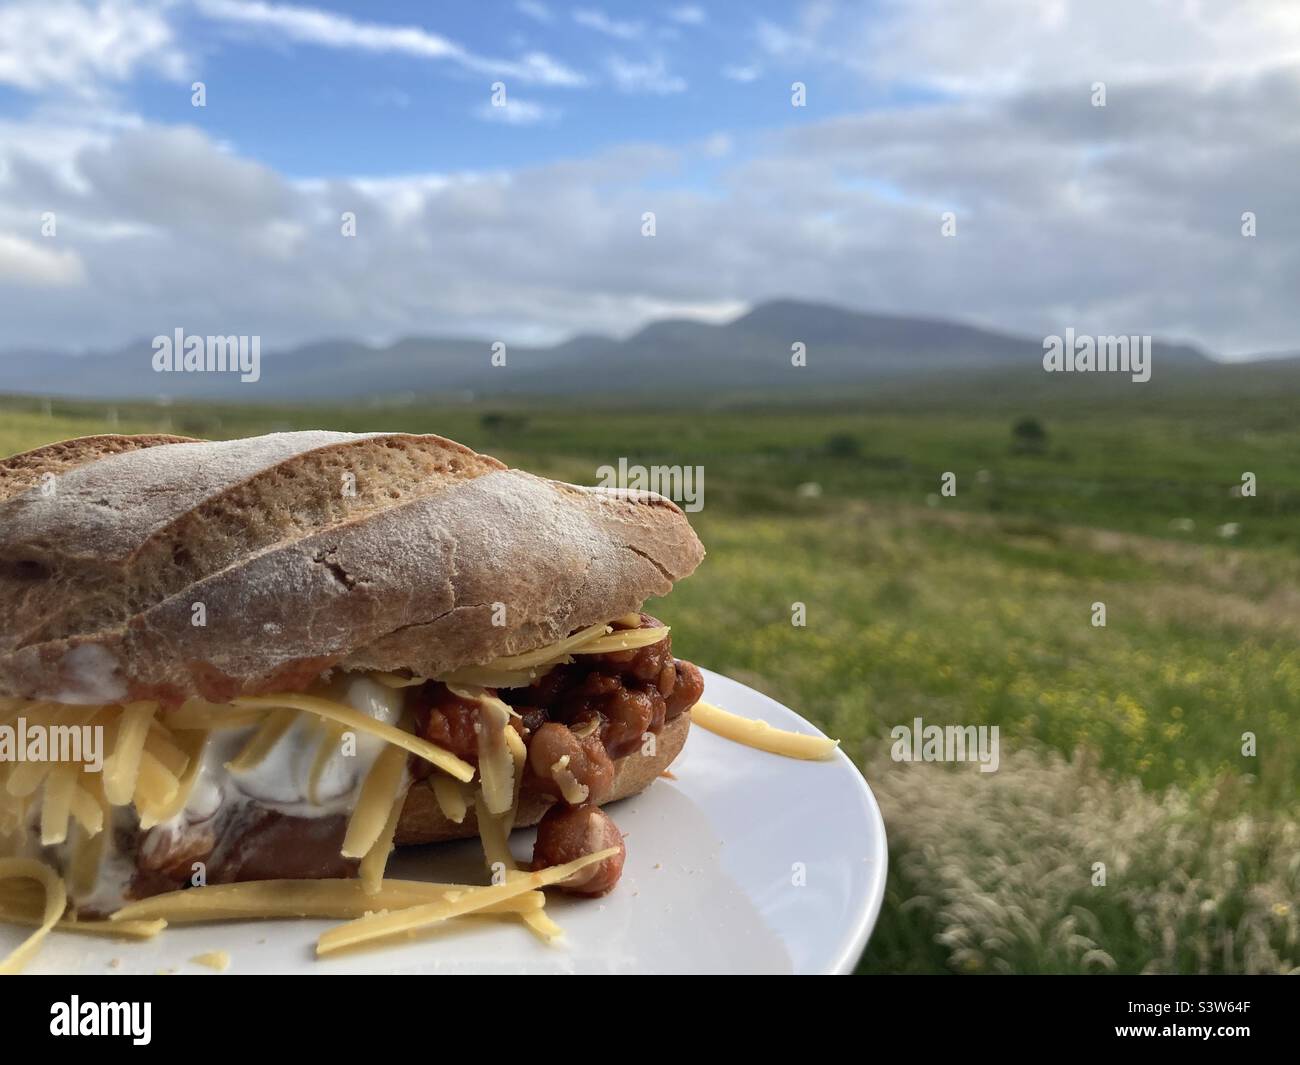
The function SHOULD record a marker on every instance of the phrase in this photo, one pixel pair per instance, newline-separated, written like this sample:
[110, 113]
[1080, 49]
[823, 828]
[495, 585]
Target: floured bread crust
[161, 568]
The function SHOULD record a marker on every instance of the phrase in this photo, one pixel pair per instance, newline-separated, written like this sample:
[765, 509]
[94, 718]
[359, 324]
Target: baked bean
[567, 833]
[589, 762]
[632, 692]
[530, 719]
[687, 688]
[629, 715]
[448, 721]
[172, 853]
[643, 664]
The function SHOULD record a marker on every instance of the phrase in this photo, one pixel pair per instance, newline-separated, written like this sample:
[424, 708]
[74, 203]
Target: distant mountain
[750, 354]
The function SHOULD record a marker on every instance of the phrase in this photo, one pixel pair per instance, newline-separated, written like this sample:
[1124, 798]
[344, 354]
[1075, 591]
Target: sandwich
[235, 675]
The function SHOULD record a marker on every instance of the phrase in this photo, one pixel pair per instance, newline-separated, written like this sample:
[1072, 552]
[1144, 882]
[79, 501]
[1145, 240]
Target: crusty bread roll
[299, 552]
[423, 822]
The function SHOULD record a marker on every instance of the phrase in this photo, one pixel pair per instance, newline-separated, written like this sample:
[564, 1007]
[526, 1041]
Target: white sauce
[116, 868]
[279, 783]
[89, 676]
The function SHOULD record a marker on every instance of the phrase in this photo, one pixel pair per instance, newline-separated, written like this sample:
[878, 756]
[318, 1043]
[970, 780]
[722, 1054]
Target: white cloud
[717, 146]
[308, 25]
[74, 47]
[401, 199]
[516, 112]
[594, 19]
[818, 31]
[49, 142]
[780, 42]
[1115, 220]
[24, 263]
[1081, 41]
[176, 177]
[689, 15]
[742, 74]
[652, 76]
[1000, 46]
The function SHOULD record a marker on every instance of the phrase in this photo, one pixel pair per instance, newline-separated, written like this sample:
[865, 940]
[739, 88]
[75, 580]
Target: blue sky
[315, 109]
[525, 222]
[352, 114]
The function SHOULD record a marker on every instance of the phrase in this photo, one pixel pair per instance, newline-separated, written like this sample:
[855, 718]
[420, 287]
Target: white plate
[710, 885]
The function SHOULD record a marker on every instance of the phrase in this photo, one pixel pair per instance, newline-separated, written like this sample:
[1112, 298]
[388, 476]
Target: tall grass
[1000, 873]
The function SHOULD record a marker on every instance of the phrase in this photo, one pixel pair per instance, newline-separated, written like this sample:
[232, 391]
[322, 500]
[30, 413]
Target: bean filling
[593, 711]
[617, 697]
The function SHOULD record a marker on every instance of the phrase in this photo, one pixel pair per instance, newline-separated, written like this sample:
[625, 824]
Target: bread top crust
[21, 472]
[157, 568]
[107, 507]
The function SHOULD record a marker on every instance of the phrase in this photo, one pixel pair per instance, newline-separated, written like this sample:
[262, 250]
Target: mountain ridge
[753, 351]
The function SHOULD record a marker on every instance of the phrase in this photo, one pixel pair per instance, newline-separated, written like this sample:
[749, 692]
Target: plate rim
[869, 912]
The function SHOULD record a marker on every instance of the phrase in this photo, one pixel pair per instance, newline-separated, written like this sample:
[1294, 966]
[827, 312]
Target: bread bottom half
[422, 820]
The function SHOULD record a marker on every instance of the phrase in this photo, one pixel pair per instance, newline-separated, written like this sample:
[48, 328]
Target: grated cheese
[210, 717]
[495, 766]
[155, 787]
[575, 793]
[213, 959]
[623, 640]
[301, 898]
[268, 734]
[761, 735]
[56, 807]
[123, 766]
[331, 738]
[378, 794]
[384, 926]
[359, 722]
[56, 901]
[197, 742]
[376, 859]
[450, 795]
[545, 654]
[27, 911]
[87, 811]
[494, 834]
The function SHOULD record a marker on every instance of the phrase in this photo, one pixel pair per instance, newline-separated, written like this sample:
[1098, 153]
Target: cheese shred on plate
[270, 899]
[56, 901]
[384, 926]
[761, 735]
[217, 960]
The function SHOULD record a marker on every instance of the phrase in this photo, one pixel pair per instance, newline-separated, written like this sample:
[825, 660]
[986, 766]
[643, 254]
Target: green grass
[1135, 470]
[976, 609]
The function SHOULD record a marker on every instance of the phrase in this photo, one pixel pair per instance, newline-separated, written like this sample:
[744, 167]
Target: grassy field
[1121, 745]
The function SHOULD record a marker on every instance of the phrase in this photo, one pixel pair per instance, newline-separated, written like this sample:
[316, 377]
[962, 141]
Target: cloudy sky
[524, 221]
